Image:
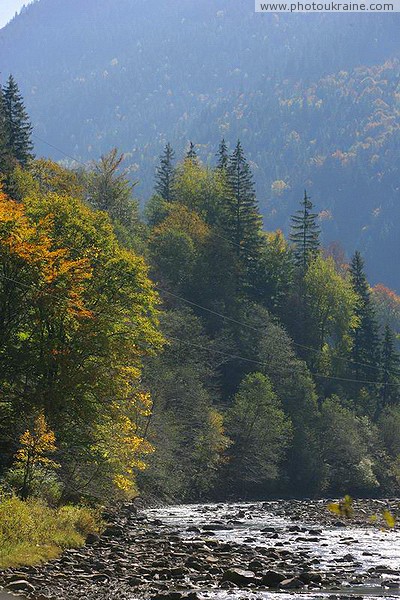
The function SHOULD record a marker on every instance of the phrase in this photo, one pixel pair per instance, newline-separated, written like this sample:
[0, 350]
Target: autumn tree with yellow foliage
[35, 447]
[77, 316]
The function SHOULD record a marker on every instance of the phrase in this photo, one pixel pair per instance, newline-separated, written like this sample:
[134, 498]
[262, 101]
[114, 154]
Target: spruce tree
[18, 126]
[165, 174]
[222, 155]
[246, 219]
[365, 348]
[305, 233]
[390, 369]
[4, 152]
[191, 154]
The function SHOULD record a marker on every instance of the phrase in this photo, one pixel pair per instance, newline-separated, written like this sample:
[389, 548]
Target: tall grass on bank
[31, 532]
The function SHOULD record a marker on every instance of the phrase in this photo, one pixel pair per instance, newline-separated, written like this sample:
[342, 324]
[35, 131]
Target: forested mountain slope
[314, 99]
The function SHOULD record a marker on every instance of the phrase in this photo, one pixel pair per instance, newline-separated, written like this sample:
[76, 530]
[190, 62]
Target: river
[241, 551]
[352, 553]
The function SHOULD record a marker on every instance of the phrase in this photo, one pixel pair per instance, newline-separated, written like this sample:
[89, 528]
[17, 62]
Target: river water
[366, 560]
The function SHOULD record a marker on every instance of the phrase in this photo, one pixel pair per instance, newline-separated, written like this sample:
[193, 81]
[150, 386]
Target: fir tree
[222, 155]
[305, 233]
[390, 363]
[165, 174]
[18, 126]
[246, 219]
[191, 153]
[365, 349]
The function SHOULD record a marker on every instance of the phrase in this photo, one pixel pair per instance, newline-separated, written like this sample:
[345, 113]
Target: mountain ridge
[314, 99]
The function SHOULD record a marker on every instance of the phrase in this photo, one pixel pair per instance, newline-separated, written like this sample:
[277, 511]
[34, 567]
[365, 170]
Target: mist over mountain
[313, 98]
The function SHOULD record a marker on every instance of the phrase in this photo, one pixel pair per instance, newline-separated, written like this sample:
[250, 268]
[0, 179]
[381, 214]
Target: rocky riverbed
[283, 549]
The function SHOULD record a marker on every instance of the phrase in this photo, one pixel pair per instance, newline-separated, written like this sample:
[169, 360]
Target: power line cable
[232, 320]
[297, 344]
[264, 364]
[228, 355]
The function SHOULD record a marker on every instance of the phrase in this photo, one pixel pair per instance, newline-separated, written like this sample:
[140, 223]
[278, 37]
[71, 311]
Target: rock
[255, 564]
[212, 559]
[100, 578]
[310, 577]
[227, 585]
[135, 581]
[168, 596]
[293, 583]
[113, 531]
[21, 585]
[391, 584]
[339, 524]
[194, 563]
[272, 578]
[239, 576]
[91, 538]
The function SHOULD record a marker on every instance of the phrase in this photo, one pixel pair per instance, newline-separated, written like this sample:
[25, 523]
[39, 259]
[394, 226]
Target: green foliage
[305, 234]
[331, 306]
[260, 432]
[187, 432]
[365, 340]
[244, 215]
[16, 123]
[110, 190]
[176, 246]
[191, 154]
[272, 278]
[31, 532]
[334, 128]
[164, 182]
[268, 372]
[390, 369]
[222, 155]
[78, 316]
[345, 446]
[203, 190]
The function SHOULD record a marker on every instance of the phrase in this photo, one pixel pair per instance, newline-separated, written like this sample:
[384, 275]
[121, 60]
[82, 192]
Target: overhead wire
[225, 317]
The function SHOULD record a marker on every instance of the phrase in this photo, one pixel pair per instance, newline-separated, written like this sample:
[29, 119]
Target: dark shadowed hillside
[314, 99]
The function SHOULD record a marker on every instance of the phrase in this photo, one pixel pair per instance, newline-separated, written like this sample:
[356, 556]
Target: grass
[31, 532]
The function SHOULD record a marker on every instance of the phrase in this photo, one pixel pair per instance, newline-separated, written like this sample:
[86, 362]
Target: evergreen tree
[222, 155]
[390, 363]
[191, 153]
[165, 174]
[246, 218]
[18, 126]
[4, 153]
[365, 350]
[305, 233]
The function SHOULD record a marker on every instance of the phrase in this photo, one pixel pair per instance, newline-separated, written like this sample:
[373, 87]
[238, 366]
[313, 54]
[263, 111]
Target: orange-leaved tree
[35, 447]
[77, 316]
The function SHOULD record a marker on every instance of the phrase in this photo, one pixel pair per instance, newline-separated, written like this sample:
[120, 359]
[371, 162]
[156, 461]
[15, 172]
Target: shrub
[30, 531]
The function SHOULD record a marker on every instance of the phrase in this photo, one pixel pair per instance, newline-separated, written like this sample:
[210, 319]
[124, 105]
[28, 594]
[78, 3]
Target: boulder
[293, 583]
[20, 585]
[272, 578]
[310, 577]
[239, 577]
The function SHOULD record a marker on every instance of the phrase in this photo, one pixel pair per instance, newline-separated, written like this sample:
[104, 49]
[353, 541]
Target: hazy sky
[8, 8]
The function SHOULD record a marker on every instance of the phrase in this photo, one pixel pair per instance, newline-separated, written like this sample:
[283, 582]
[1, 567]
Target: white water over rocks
[365, 560]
